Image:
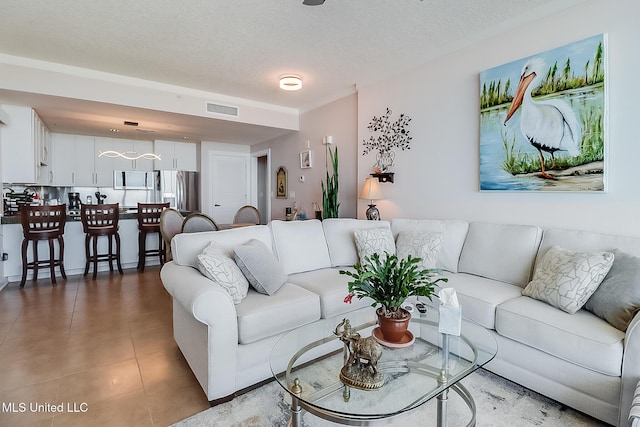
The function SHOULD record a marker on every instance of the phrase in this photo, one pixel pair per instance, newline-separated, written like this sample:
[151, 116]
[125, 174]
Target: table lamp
[371, 191]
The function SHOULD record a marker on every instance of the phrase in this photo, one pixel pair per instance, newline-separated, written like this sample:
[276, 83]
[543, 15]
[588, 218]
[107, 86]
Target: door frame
[254, 181]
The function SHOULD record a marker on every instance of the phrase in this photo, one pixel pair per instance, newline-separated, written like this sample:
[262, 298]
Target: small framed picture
[281, 183]
[305, 159]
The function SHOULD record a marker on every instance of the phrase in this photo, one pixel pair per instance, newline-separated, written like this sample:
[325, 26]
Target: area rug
[500, 403]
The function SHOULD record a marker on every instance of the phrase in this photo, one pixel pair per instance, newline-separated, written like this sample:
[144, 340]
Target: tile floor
[104, 347]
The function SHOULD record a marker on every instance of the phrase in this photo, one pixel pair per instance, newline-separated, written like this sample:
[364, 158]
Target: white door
[228, 185]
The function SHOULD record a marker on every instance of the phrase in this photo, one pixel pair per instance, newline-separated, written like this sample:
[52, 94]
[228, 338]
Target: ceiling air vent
[222, 109]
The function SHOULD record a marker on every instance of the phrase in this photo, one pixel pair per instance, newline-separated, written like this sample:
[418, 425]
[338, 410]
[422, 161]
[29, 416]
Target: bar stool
[100, 220]
[149, 222]
[43, 223]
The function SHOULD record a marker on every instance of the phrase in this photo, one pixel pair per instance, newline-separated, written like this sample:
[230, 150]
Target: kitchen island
[74, 253]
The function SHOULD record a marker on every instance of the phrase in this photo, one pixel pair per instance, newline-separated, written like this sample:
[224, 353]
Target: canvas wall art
[542, 121]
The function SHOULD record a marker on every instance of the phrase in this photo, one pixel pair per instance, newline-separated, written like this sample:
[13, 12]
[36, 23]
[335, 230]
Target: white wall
[337, 119]
[439, 176]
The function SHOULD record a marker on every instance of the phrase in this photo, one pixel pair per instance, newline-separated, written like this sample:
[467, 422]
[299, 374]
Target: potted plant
[389, 281]
[330, 203]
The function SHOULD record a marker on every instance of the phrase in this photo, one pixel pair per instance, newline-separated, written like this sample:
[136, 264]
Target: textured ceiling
[241, 47]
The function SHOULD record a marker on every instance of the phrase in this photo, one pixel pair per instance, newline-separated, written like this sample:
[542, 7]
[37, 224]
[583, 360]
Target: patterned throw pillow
[420, 244]
[374, 240]
[215, 265]
[566, 279]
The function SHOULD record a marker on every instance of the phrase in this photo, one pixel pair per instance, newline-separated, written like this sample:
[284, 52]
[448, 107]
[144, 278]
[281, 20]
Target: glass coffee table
[308, 368]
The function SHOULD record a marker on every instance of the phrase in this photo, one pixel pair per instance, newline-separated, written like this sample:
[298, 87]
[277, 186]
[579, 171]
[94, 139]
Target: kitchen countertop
[129, 214]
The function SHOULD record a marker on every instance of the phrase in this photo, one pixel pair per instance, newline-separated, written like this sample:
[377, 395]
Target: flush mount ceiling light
[290, 82]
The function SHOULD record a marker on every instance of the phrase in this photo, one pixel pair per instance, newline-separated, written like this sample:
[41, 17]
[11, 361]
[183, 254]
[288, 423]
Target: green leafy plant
[389, 281]
[330, 203]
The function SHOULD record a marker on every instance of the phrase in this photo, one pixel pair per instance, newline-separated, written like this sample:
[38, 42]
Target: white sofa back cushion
[454, 234]
[576, 240]
[341, 241]
[300, 245]
[504, 252]
[186, 247]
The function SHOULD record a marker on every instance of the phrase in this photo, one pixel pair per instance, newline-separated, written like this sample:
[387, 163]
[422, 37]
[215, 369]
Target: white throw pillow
[261, 268]
[374, 240]
[420, 244]
[215, 265]
[566, 279]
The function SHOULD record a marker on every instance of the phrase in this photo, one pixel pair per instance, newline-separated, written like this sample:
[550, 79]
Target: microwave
[132, 180]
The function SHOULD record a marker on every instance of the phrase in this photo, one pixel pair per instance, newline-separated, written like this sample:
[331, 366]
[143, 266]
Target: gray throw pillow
[261, 268]
[617, 299]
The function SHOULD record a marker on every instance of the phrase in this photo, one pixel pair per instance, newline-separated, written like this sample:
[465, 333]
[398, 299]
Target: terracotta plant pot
[393, 330]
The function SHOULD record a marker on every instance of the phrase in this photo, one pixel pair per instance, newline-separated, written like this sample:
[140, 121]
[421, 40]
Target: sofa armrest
[208, 301]
[212, 353]
[630, 369]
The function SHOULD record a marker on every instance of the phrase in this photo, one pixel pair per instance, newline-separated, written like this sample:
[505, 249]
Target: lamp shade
[371, 190]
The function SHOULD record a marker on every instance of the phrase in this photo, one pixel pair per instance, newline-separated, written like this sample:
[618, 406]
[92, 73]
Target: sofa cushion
[479, 297]
[420, 244]
[300, 245]
[215, 265]
[504, 252]
[566, 279]
[185, 247]
[332, 288]
[581, 338]
[374, 241]
[261, 316]
[617, 299]
[454, 234]
[260, 267]
[341, 240]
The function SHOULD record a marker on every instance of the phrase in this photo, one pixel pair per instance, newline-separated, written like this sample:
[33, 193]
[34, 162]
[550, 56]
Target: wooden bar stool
[149, 223]
[43, 223]
[100, 220]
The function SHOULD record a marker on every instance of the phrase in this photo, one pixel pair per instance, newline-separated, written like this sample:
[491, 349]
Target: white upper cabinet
[63, 159]
[176, 155]
[104, 165]
[25, 147]
[72, 160]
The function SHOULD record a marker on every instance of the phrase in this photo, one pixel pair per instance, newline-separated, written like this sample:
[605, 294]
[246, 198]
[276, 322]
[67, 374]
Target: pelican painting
[542, 120]
[549, 125]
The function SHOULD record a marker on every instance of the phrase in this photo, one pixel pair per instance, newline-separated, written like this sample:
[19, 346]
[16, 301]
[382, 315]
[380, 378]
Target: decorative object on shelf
[371, 191]
[305, 159]
[361, 357]
[281, 183]
[129, 155]
[387, 136]
[389, 281]
[330, 204]
[383, 177]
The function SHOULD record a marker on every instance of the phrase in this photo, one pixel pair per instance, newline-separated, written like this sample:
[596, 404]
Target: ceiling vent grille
[222, 109]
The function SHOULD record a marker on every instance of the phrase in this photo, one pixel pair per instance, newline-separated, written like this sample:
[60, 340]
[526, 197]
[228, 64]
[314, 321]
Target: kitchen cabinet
[75, 161]
[103, 165]
[63, 160]
[176, 155]
[25, 147]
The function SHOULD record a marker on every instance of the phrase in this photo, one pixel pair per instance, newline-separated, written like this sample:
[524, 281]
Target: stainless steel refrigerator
[179, 188]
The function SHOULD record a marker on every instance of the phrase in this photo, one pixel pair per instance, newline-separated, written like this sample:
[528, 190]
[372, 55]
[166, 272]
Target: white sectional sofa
[578, 359]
